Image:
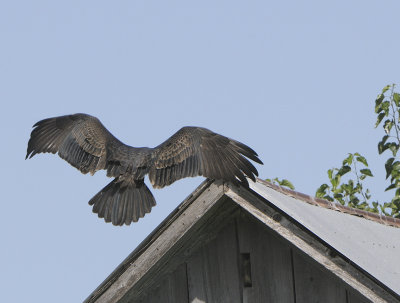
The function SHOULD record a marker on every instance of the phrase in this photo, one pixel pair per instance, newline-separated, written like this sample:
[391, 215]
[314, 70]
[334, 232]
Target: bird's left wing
[79, 139]
[194, 151]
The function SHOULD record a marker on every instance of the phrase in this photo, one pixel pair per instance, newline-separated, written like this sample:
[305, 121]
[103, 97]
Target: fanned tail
[123, 201]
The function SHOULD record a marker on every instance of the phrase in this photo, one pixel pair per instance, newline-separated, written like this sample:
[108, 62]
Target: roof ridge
[382, 219]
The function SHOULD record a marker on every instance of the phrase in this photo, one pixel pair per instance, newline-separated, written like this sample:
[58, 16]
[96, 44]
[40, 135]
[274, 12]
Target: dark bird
[86, 144]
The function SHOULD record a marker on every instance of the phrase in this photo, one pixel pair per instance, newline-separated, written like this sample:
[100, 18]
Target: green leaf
[386, 88]
[378, 103]
[395, 200]
[382, 147]
[379, 119]
[387, 126]
[396, 99]
[330, 172]
[385, 106]
[362, 160]
[348, 160]
[366, 171]
[394, 148]
[282, 182]
[321, 191]
[384, 139]
[286, 183]
[344, 170]
[395, 173]
[335, 181]
[354, 201]
[388, 167]
[384, 207]
[391, 186]
[338, 196]
[396, 166]
[329, 198]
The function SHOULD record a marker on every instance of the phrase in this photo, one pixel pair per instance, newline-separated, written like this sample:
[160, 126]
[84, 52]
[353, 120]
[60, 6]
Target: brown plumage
[86, 144]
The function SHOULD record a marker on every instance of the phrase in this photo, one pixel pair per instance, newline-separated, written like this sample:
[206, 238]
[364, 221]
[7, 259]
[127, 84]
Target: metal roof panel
[373, 246]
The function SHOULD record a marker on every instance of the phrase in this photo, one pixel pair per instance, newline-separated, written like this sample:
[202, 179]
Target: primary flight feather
[86, 144]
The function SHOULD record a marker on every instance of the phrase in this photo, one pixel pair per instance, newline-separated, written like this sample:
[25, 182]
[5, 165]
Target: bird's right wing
[79, 139]
[194, 151]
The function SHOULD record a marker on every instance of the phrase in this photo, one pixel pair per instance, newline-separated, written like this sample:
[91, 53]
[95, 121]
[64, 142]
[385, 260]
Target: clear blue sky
[295, 80]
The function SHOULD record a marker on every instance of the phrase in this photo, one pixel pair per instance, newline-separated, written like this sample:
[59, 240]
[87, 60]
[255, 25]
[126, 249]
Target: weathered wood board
[271, 271]
[213, 274]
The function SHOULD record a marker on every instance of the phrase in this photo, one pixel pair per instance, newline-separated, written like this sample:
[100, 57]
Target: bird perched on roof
[86, 144]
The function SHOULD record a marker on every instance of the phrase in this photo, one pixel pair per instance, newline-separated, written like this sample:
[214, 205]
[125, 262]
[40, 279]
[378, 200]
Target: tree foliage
[351, 192]
[387, 108]
[346, 182]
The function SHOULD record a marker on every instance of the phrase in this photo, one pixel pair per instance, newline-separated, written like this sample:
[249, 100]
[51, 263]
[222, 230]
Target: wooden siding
[355, 298]
[271, 269]
[217, 271]
[213, 272]
[313, 285]
[173, 288]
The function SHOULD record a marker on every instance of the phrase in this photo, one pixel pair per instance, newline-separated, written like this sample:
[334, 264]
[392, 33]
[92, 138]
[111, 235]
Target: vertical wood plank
[213, 274]
[154, 296]
[173, 288]
[353, 297]
[313, 284]
[271, 271]
[178, 292]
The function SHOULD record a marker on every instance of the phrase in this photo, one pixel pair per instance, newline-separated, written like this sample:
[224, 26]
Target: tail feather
[123, 201]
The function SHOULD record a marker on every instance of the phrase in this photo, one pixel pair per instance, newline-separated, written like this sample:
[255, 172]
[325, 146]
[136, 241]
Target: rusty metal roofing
[369, 240]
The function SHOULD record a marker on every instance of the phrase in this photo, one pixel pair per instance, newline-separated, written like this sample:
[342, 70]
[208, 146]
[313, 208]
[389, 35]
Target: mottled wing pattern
[194, 151]
[79, 139]
[86, 144]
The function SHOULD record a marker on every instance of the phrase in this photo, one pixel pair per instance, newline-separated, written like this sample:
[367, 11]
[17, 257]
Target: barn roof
[369, 240]
[360, 248]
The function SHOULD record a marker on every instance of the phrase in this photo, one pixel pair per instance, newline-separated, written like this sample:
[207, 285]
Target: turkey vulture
[86, 144]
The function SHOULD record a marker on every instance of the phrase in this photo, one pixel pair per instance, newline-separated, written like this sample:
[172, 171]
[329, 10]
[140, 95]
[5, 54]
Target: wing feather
[81, 140]
[86, 144]
[194, 151]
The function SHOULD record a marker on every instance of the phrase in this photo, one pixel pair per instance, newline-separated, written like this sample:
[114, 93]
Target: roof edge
[203, 188]
[311, 244]
[382, 219]
[124, 265]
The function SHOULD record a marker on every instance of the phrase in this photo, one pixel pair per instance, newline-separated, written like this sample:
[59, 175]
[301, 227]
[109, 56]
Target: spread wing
[194, 151]
[79, 139]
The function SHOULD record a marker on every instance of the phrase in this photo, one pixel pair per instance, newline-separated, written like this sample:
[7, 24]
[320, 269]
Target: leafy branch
[351, 191]
[387, 104]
